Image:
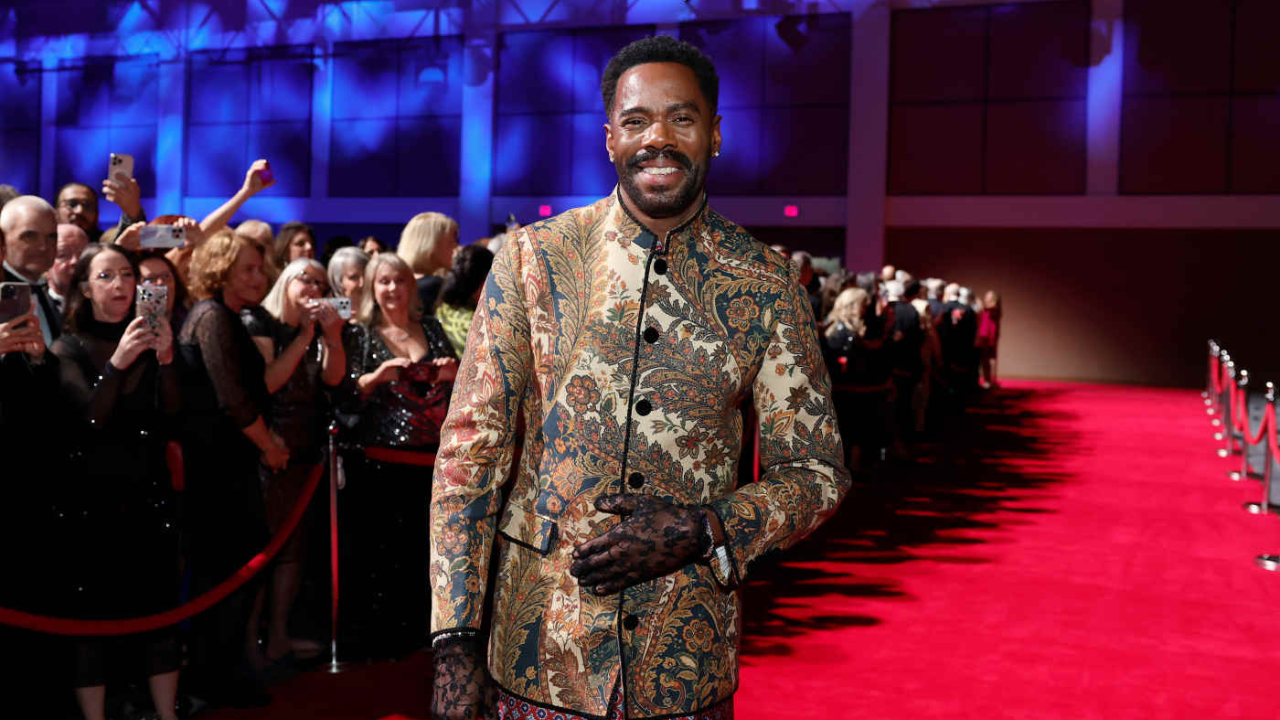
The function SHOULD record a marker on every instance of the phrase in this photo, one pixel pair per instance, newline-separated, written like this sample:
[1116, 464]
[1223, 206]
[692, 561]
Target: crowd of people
[159, 444]
[902, 353]
[163, 410]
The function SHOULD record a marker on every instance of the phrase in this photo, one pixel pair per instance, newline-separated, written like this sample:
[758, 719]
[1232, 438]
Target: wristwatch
[717, 553]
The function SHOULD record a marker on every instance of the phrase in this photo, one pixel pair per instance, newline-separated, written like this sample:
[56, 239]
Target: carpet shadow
[989, 462]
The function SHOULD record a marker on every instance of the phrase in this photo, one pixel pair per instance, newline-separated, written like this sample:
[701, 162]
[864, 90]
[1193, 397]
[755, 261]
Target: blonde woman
[403, 367]
[853, 345]
[427, 245]
[300, 338]
[224, 438]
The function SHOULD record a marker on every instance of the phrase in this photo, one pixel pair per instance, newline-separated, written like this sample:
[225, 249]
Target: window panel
[1039, 51]
[735, 46]
[920, 37]
[216, 159]
[1255, 146]
[535, 72]
[807, 61]
[532, 155]
[804, 152]
[1174, 145]
[1036, 148]
[1184, 51]
[592, 50]
[288, 146]
[737, 170]
[362, 157]
[593, 174]
[936, 149]
[430, 77]
[1257, 54]
[429, 156]
[20, 159]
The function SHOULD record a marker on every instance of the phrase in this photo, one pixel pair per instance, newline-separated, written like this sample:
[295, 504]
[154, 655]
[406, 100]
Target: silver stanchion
[1239, 406]
[1270, 502]
[1271, 475]
[1208, 388]
[1226, 408]
[335, 472]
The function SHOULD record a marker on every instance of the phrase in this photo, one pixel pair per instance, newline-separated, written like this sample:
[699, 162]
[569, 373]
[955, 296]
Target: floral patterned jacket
[629, 356]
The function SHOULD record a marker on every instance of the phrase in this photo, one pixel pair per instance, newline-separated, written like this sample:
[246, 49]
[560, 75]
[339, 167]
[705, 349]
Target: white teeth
[660, 171]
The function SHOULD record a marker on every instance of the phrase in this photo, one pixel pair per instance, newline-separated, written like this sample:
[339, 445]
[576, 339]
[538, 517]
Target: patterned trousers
[514, 708]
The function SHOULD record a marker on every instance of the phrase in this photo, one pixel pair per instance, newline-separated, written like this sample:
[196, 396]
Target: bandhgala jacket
[629, 356]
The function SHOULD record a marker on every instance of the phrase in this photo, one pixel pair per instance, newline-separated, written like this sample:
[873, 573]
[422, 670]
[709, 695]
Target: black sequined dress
[383, 509]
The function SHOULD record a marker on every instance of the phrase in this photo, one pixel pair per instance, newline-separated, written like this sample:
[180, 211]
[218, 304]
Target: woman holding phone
[300, 338]
[403, 368]
[118, 504]
[225, 437]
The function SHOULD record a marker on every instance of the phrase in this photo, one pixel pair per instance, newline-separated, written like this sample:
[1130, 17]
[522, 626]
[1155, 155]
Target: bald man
[72, 240]
[30, 228]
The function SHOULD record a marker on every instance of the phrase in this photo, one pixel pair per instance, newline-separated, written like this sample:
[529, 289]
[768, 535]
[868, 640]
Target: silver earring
[715, 154]
[610, 157]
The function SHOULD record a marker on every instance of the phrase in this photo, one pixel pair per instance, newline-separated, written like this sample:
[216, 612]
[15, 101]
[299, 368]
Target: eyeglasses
[311, 282]
[81, 204]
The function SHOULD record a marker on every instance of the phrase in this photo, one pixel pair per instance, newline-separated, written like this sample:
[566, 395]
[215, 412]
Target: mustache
[645, 156]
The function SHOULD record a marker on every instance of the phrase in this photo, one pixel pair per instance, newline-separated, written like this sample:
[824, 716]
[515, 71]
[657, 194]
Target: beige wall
[1112, 305]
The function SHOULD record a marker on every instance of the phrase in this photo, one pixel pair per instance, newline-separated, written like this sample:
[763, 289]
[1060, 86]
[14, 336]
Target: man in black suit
[30, 229]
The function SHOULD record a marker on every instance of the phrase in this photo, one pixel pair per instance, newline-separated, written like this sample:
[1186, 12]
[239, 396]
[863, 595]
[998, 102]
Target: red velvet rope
[68, 626]
[1241, 421]
[1271, 432]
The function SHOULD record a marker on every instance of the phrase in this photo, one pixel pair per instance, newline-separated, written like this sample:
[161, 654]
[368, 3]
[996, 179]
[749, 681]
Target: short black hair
[660, 48]
[470, 269]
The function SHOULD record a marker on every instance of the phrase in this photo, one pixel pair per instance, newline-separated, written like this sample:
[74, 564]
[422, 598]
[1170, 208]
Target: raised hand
[163, 343]
[124, 193]
[253, 182]
[655, 539]
[137, 338]
[22, 334]
[462, 689]
[131, 238]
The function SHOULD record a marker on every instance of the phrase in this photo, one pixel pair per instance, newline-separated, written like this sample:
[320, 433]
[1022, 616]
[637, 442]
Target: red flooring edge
[1073, 551]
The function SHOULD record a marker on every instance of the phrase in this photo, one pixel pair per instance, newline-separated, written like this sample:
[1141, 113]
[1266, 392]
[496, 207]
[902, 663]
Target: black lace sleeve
[91, 395]
[215, 333]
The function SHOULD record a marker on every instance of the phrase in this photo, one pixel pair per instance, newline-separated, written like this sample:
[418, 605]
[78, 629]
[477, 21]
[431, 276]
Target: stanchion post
[1227, 406]
[1269, 561]
[1268, 504]
[334, 665]
[1239, 406]
[1208, 388]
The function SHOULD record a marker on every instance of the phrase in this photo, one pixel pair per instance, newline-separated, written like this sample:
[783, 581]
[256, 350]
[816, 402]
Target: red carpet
[1074, 552]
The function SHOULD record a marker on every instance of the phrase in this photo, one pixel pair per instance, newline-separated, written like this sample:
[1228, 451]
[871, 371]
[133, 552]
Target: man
[29, 227]
[71, 242]
[77, 205]
[627, 333]
[809, 280]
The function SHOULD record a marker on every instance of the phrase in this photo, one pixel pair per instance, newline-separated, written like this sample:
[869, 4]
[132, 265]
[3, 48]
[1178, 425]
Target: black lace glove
[463, 690]
[656, 538]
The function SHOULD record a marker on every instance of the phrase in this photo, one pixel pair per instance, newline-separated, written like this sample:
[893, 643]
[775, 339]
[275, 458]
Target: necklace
[395, 334]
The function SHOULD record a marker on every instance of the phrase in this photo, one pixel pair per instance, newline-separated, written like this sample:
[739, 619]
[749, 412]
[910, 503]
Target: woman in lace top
[225, 436]
[400, 373]
[300, 338]
[118, 512]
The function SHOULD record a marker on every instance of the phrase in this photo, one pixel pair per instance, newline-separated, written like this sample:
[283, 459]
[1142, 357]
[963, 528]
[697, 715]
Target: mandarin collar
[628, 225]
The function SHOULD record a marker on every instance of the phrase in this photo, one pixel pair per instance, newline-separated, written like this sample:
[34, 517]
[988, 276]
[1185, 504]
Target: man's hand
[22, 334]
[126, 194]
[655, 539]
[462, 687]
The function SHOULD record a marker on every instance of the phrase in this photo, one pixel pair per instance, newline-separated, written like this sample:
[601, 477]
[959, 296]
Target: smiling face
[306, 286]
[661, 134]
[111, 286]
[391, 288]
[302, 246]
[77, 205]
[246, 283]
[352, 283]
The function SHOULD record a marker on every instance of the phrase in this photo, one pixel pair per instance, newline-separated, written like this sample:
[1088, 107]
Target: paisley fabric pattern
[629, 357]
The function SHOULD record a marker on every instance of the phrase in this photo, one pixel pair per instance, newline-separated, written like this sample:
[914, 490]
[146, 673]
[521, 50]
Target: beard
[669, 203]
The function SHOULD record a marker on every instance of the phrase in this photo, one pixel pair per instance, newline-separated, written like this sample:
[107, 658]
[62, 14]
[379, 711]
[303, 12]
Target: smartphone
[120, 168]
[341, 304]
[153, 304]
[163, 236]
[15, 300]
